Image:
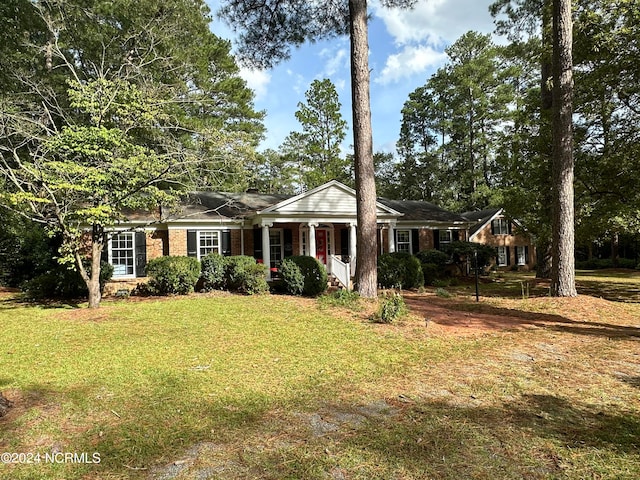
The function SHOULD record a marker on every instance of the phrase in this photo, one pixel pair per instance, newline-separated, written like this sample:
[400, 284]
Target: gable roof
[331, 198]
[481, 218]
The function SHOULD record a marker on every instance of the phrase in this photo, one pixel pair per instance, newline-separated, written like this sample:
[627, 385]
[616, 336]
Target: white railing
[341, 270]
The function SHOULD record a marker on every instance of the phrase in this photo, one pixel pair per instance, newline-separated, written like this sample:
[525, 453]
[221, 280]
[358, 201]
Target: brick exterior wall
[177, 242]
[157, 244]
[485, 237]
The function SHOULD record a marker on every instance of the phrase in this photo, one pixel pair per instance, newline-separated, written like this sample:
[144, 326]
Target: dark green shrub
[435, 257]
[431, 273]
[62, 282]
[314, 273]
[213, 268]
[291, 277]
[173, 275]
[399, 269]
[244, 275]
[390, 308]
[602, 263]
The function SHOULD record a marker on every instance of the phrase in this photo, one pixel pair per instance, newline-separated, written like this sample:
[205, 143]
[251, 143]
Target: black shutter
[526, 255]
[257, 243]
[508, 256]
[415, 240]
[287, 233]
[344, 242]
[455, 235]
[192, 243]
[226, 243]
[493, 227]
[509, 227]
[436, 239]
[141, 254]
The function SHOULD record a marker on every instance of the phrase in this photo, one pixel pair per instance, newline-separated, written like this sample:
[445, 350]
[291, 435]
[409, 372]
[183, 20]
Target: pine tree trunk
[563, 267]
[366, 261]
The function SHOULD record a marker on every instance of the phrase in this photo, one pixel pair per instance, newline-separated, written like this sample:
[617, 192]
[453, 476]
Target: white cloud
[257, 80]
[435, 21]
[337, 61]
[410, 61]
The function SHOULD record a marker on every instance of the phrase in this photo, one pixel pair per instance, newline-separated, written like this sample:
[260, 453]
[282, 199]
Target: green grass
[278, 387]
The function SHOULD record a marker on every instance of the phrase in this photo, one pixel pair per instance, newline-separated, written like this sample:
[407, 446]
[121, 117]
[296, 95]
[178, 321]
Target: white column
[266, 251]
[352, 241]
[391, 238]
[242, 240]
[312, 239]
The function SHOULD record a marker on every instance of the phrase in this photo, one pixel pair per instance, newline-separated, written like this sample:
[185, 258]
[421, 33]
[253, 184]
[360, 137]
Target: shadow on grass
[533, 437]
[455, 313]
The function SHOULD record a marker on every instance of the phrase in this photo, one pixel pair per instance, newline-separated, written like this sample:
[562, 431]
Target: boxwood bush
[243, 274]
[314, 274]
[173, 275]
[399, 269]
[213, 273]
[292, 279]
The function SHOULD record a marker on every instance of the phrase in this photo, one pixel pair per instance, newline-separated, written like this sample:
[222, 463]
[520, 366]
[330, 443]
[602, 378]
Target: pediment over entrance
[331, 199]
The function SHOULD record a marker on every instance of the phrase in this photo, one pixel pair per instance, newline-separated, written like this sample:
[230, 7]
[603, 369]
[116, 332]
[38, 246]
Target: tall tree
[563, 264]
[269, 29]
[323, 131]
[118, 112]
[450, 126]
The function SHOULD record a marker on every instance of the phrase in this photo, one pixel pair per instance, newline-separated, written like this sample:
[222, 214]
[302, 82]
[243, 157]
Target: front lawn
[224, 386]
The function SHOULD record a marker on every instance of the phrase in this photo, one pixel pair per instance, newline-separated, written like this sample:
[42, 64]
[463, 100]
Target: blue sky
[406, 47]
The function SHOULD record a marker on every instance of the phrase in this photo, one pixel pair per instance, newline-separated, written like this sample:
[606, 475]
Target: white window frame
[501, 226]
[304, 239]
[403, 245]
[110, 247]
[501, 257]
[521, 258]
[273, 254]
[448, 237]
[201, 235]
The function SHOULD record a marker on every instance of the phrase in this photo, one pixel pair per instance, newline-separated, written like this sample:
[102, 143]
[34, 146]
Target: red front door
[321, 246]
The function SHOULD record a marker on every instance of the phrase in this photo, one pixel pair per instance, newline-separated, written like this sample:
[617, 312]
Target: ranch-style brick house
[320, 222]
[514, 246]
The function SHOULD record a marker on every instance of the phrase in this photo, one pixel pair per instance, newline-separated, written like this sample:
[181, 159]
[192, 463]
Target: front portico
[324, 219]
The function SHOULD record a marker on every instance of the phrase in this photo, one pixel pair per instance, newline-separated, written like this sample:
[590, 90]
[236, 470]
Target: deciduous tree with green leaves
[123, 116]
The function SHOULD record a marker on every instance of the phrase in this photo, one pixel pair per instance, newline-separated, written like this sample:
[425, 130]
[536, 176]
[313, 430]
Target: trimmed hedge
[173, 275]
[399, 269]
[238, 273]
[314, 274]
[213, 271]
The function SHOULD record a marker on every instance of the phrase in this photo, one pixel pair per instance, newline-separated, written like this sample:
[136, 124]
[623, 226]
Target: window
[502, 256]
[122, 254]
[275, 247]
[500, 226]
[208, 242]
[445, 236]
[403, 241]
[521, 255]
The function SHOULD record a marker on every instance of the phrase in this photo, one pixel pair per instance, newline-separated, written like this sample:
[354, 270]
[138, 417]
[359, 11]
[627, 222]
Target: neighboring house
[321, 222]
[514, 246]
